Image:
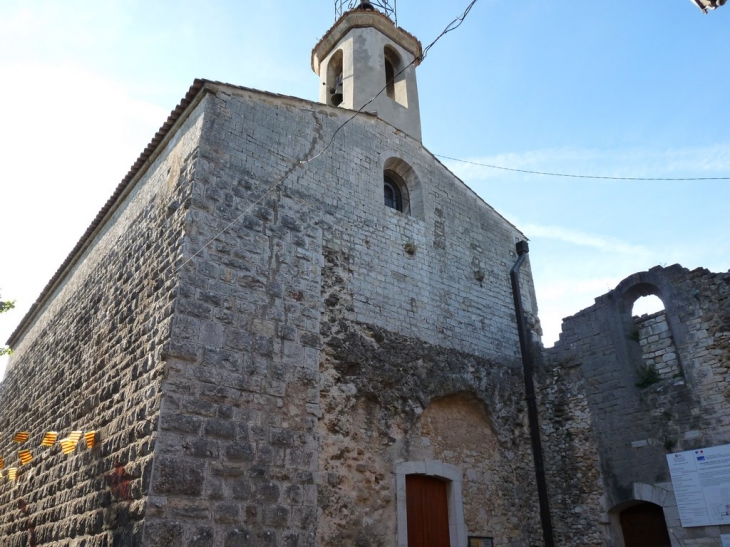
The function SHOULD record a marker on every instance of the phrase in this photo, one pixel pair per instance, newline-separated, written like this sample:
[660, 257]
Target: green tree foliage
[6, 305]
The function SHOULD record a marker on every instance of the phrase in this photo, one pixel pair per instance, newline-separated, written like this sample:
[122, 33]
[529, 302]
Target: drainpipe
[528, 367]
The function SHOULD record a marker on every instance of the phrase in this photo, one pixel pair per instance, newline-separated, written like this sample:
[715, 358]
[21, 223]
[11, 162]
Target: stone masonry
[266, 351]
[611, 425]
[261, 344]
[93, 359]
[301, 334]
[657, 346]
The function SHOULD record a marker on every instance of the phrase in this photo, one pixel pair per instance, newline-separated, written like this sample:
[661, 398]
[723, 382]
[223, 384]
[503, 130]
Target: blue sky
[620, 88]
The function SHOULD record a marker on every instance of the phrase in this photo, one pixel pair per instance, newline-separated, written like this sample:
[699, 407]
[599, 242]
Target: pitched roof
[138, 168]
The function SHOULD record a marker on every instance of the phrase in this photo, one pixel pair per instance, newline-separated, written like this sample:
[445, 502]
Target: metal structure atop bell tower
[388, 7]
[367, 60]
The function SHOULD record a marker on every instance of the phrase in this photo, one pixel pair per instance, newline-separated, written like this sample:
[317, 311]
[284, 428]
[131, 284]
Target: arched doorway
[643, 525]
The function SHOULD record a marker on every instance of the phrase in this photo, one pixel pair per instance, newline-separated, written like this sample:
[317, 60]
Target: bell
[337, 95]
[364, 4]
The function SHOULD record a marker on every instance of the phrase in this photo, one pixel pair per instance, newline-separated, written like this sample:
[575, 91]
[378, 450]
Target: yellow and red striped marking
[76, 435]
[21, 437]
[49, 439]
[68, 445]
[90, 437]
[25, 456]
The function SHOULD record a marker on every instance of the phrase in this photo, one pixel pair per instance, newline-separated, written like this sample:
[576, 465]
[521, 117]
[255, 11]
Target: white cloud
[67, 138]
[609, 244]
[706, 161]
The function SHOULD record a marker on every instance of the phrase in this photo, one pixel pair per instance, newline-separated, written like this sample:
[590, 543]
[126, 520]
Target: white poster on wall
[701, 480]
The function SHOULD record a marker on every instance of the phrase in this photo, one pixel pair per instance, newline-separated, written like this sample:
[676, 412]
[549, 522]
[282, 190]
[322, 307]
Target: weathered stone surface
[263, 389]
[94, 359]
[608, 426]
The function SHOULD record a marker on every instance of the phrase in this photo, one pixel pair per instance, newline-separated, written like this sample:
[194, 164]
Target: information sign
[701, 480]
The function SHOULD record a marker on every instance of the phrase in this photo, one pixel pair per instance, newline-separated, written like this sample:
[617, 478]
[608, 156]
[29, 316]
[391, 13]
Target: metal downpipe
[528, 367]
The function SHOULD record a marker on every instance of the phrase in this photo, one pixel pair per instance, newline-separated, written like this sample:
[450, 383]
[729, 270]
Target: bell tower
[363, 53]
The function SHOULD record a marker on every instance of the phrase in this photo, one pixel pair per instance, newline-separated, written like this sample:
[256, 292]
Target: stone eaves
[146, 158]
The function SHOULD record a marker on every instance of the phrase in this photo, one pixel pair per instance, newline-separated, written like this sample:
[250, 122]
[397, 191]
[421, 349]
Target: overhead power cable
[545, 173]
[453, 25]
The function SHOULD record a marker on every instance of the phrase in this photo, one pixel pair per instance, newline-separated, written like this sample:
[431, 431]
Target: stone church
[294, 327]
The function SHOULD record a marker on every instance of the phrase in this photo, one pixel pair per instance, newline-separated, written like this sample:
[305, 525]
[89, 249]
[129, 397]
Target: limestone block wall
[94, 360]
[571, 456]
[657, 345]
[636, 423]
[311, 337]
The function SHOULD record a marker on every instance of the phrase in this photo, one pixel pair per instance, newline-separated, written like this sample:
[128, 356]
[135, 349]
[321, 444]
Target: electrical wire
[240, 216]
[545, 173]
[453, 25]
[450, 27]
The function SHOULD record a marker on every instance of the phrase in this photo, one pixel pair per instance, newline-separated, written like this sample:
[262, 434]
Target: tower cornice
[360, 19]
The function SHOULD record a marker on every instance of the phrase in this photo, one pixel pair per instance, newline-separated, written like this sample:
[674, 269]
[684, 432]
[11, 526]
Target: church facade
[293, 326]
[273, 337]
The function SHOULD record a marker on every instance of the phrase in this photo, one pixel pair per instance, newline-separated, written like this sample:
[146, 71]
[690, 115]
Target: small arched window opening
[395, 81]
[647, 305]
[393, 198]
[335, 94]
[400, 178]
[651, 331]
[395, 192]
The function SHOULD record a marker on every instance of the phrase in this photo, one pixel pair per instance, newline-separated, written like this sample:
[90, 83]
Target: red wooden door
[643, 526]
[427, 512]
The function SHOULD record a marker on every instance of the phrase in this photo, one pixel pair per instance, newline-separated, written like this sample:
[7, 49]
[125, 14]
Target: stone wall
[657, 345]
[261, 343]
[635, 419]
[94, 360]
[313, 335]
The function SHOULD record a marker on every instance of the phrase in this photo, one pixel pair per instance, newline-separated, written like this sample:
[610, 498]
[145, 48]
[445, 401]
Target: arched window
[402, 188]
[395, 192]
[647, 305]
[649, 330]
[392, 194]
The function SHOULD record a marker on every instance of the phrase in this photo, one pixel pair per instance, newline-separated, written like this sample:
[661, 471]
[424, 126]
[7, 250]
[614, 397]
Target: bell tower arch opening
[377, 66]
[395, 83]
[335, 79]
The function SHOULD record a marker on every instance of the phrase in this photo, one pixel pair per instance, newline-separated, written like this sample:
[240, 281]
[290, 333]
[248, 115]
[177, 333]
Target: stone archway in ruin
[647, 520]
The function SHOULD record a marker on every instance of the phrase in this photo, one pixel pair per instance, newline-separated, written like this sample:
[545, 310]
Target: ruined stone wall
[657, 345]
[93, 360]
[637, 419]
[312, 336]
